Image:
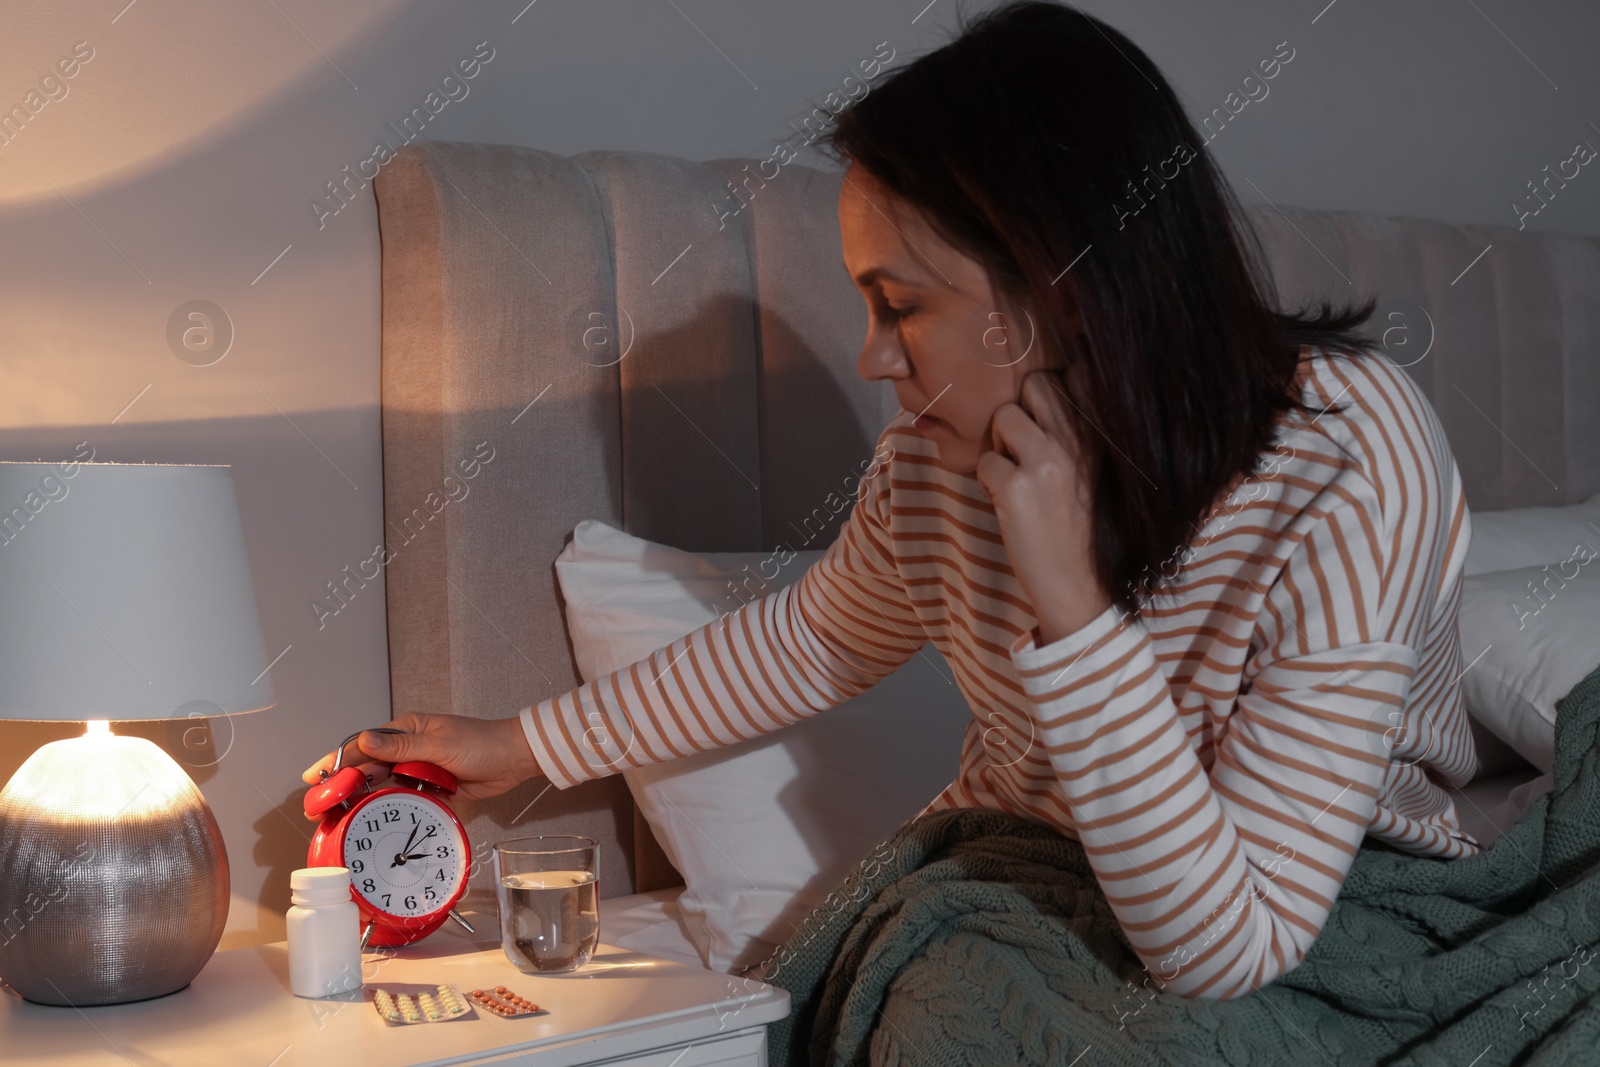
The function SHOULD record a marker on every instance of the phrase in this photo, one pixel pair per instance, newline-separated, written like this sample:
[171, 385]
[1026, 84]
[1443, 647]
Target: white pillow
[1527, 537]
[762, 830]
[1534, 648]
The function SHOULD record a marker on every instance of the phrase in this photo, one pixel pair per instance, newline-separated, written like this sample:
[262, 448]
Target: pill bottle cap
[320, 885]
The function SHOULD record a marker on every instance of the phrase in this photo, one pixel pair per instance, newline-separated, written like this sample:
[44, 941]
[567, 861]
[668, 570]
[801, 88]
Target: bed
[644, 340]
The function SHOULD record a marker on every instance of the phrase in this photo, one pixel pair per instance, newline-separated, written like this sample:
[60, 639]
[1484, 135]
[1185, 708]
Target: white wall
[183, 159]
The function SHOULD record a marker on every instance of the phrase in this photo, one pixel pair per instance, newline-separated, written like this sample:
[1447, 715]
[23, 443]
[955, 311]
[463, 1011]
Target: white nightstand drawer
[747, 1048]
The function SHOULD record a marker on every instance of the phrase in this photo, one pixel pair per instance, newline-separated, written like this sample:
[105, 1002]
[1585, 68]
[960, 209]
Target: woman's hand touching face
[1044, 503]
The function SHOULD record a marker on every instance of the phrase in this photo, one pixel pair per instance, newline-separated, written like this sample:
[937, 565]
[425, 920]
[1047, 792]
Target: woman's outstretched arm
[839, 629]
[844, 625]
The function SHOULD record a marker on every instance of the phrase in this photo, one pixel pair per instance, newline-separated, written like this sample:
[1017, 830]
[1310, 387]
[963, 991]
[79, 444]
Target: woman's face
[937, 331]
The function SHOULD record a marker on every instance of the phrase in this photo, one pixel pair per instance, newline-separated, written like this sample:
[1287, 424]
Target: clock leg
[466, 925]
[366, 935]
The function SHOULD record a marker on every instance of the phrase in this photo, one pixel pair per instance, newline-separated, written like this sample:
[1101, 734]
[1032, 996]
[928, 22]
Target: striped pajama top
[1220, 755]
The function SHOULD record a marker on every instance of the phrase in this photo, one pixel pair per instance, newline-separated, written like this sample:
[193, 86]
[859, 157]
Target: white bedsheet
[651, 922]
[1489, 804]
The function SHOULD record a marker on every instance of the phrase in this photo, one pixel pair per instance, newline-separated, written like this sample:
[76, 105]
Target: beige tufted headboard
[514, 279]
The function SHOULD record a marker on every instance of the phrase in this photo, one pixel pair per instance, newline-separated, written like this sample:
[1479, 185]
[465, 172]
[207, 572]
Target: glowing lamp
[125, 595]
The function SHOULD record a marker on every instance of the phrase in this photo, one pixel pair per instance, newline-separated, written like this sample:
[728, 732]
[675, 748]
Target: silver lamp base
[113, 875]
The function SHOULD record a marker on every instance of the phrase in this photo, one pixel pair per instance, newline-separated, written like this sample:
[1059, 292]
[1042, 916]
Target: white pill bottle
[324, 933]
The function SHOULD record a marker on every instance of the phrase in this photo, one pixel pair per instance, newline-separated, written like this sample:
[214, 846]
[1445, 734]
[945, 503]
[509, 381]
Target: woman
[1195, 562]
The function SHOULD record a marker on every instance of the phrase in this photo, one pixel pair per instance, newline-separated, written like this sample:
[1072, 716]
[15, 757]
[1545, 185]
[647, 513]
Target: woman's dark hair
[1032, 140]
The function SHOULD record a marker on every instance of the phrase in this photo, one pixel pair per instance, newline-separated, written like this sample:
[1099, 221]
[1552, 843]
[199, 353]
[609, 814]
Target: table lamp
[124, 594]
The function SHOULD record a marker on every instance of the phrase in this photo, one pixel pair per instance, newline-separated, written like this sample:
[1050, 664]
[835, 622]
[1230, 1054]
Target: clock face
[405, 853]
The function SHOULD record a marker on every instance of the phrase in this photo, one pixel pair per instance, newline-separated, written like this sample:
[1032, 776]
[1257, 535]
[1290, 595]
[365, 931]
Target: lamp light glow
[100, 775]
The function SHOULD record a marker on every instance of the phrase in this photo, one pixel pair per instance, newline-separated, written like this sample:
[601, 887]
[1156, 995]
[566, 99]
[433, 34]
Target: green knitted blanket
[975, 938]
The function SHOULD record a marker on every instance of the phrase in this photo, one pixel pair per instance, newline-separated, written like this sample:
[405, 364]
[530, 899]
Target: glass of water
[549, 894]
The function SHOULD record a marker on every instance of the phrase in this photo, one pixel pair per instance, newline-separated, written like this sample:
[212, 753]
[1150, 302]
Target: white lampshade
[126, 593]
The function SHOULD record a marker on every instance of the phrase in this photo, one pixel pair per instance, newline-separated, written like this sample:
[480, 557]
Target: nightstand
[622, 1008]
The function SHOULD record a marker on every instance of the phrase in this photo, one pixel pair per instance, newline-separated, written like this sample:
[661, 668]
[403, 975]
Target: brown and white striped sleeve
[840, 628]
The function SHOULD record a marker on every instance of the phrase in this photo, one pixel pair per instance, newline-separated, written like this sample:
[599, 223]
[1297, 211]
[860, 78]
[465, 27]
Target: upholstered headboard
[669, 347]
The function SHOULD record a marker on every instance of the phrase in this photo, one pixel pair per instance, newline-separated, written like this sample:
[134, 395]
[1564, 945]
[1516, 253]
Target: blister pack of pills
[404, 1005]
[505, 1003]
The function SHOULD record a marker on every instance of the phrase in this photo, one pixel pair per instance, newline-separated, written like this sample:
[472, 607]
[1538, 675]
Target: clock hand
[400, 857]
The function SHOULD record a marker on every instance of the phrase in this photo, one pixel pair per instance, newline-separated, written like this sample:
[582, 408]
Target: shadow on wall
[113, 74]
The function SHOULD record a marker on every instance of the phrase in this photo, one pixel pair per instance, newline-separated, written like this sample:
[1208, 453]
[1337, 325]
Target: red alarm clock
[407, 852]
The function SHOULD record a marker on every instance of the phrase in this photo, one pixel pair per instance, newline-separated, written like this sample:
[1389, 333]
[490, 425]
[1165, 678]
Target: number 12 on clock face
[404, 854]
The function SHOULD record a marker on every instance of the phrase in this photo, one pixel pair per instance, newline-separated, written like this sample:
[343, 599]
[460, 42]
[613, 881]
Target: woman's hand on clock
[487, 756]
